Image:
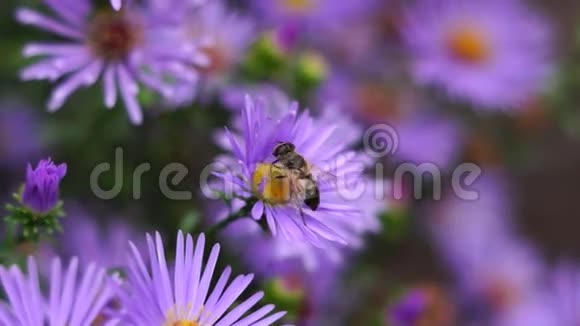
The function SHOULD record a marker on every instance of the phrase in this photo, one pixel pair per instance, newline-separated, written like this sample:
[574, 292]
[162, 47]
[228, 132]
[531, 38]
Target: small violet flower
[41, 191]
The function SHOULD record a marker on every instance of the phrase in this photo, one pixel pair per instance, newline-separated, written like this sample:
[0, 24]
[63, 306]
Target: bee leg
[302, 216]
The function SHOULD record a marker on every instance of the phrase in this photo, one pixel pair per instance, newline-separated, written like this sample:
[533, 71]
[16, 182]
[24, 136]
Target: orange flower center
[468, 45]
[218, 62]
[298, 5]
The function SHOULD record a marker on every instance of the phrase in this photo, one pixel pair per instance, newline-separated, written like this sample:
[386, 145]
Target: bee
[302, 183]
[286, 154]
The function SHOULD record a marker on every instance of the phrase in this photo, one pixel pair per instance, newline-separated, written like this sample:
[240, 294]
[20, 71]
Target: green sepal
[31, 224]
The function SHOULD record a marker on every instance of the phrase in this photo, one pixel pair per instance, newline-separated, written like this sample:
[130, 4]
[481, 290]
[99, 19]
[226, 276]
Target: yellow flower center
[469, 45]
[298, 5]
[176, 316]
[185, 323]
[271, 184]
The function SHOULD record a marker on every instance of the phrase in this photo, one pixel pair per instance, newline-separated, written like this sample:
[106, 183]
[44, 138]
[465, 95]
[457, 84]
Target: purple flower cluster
[498, 271]
[431, 70]
[149, 296]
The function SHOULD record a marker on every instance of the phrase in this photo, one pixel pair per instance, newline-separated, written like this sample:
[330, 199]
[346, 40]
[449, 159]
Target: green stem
[221, 225]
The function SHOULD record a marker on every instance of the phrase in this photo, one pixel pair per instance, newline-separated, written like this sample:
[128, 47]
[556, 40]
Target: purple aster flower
[154, 297]
[41, 191]
[129, 47]
[76, 297]
[323, 142]
[493, 53]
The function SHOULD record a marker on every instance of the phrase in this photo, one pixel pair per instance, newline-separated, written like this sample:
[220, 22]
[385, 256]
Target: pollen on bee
[271, 184]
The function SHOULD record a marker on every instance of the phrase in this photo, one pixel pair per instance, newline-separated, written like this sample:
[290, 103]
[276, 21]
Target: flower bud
[41, 191]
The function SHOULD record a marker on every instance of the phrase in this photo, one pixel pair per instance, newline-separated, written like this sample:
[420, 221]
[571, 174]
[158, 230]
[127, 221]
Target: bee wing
[322, 177]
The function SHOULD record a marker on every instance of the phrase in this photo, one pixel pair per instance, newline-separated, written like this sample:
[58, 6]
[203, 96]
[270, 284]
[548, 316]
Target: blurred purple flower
[424, 136]
[73, 299]
[127, 47]
[20, 139]
[558, 304]
[492, 264]
[227, 34]
[423, 305]
[310, 14]
[565, 294]
[277, 102]
[322, 142]
[153, 297]
[501, 276]
[494, 53]
[428, 138]
[102, 243]
[408, 309]
[116, 4]
[41, 191]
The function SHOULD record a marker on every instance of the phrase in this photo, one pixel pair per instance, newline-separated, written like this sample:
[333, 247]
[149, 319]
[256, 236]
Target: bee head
[283, 149]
